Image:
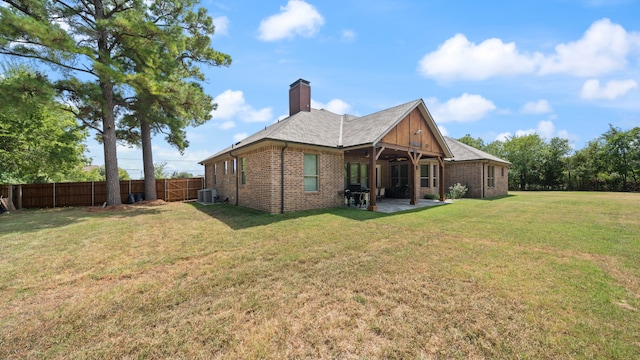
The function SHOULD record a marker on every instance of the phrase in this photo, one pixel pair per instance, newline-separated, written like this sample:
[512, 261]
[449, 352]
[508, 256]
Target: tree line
[127, 69]
[611, 162]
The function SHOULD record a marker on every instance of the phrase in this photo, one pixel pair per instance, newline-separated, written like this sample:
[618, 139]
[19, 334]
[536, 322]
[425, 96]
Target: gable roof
[464, 152]
[324, 128]
[371, 128]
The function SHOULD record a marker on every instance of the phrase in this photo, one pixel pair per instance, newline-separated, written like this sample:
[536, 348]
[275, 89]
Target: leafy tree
[496, 148]
[477, 143]
[620, 153]
[125, 48]
[159, 170]
[39, 140]
[165, 100]
[587, 166]
[525, 154]
[122, 173]
[554, 157]
[82, 39]
[181, 175]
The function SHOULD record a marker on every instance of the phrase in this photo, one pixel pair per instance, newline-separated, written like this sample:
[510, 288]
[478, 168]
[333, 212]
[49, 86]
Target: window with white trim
[310, 172]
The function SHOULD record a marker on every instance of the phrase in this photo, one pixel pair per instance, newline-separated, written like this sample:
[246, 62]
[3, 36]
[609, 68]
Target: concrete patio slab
[395, 205]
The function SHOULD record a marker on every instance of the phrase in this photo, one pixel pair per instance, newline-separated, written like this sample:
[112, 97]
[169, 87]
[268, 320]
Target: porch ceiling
[387, 154]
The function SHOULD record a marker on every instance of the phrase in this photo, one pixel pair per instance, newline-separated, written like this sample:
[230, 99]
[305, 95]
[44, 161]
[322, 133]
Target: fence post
[54, 195]
[166, 191]
[186, 193]
[10, 192]
[93, 193]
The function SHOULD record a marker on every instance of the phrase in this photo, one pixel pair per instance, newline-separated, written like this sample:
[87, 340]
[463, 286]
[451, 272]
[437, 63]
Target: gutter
[286, 144]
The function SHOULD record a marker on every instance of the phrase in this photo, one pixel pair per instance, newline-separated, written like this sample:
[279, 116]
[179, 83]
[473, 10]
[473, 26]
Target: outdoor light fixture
[418, 131]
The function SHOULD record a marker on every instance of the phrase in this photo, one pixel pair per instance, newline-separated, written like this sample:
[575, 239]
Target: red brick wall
[262, 190]
[468, 174]
[471, 175]
[330, 181]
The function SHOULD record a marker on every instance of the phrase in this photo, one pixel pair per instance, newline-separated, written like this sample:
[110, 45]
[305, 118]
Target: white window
[310, 172]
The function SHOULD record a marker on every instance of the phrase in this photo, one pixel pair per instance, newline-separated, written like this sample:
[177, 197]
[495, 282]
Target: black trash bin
[131, 199]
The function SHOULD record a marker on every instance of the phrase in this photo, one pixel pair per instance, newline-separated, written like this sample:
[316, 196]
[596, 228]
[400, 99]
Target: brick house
[307, 160]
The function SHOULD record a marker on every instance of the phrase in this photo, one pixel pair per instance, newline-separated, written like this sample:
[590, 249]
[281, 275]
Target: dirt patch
[123, 207]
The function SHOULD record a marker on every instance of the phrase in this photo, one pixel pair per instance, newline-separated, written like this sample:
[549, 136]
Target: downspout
[236, 171]
[286, 144]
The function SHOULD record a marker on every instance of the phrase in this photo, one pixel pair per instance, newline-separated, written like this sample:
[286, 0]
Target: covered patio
[389, 205]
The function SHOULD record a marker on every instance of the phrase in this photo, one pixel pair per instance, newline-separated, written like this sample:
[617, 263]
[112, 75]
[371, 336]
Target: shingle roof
[464, 152]
[324, 128]
[318, 127]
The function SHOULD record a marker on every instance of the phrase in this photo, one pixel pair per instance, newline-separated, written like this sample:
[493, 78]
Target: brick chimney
[299, 97]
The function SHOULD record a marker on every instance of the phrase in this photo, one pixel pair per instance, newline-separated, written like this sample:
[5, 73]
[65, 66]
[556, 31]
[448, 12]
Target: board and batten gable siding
[404, 134]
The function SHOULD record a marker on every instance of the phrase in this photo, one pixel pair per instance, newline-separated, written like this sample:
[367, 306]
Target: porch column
[412, 175]
[373, 190]
[441, 170]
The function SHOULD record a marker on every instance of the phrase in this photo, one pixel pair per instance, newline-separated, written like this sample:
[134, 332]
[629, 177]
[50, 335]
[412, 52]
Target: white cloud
[348, 35]
[536, 107]
[503, 136]
[231, 104]
[240, 137]
[458, 58]
[467, 107]
[602, 49]
[443, 130]
[546, 129]
[336, 106]
[610, 91]
[222, 25]
[227, 125]
[296, 18]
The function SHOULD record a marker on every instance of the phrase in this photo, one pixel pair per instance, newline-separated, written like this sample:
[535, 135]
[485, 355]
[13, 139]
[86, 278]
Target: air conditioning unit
[207, 196]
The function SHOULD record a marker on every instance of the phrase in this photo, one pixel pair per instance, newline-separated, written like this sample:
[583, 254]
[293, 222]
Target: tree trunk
[108, 118]
[147, 161]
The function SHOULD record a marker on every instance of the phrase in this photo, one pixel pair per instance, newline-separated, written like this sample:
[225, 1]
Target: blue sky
[491, 69]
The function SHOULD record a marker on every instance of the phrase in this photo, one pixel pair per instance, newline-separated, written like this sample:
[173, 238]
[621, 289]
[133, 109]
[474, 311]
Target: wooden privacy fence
[94, 193]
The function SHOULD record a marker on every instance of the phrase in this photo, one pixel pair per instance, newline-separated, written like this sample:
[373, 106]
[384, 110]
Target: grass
[531, 275]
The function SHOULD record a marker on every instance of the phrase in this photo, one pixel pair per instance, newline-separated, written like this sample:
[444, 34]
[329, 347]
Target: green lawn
[532, 275]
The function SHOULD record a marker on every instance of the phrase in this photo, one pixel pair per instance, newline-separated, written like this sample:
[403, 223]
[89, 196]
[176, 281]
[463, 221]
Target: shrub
[431, 196]
[457, 191]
